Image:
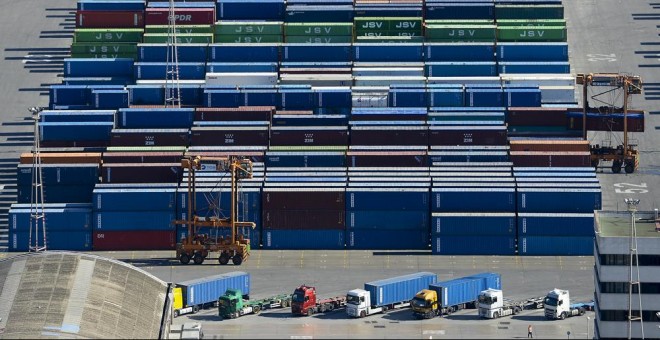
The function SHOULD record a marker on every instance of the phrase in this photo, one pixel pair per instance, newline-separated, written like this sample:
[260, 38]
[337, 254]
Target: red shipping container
[183, 16]
[385, 135]
[536, 116]
[134, 240]
[109, 19]
[309, 135]
[142, 157]
[141, 173]
[549, 145]
[303, 199]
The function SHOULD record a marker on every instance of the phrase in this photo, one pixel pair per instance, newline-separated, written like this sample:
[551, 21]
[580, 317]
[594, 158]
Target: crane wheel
[630, 168]
[237, 259]
[616, 167]
[184, 258]
[198, 258]
[223, 259]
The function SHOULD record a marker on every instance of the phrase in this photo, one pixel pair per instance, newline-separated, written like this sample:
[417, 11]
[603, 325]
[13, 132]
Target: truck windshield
[550, 301]
[487, 300]
[353, 299]
[298, 297]
[418, 302]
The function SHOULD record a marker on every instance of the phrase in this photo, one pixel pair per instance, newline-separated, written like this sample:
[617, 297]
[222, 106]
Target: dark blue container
[77, 116]
[556, 246]
[206, 290]
[334, 97]
[96, 67]
[126, 199]
[55, 240]
[196, 53]
[303, 239]
[317, 52]
[241, 67]
[305, 159]
[223, 98]
[244, 53]
[553, 224]
[460, 69]
[296, 99]
[447, 97]
[265, 97]
[312, 13]
[473, 245]
[158, 71]
[407, 98]
[309, 120]
[398, 289]
[137, 118]
[98, 80]
[462, 10]
[68, 95]
[388, 10]
[387, 199]
[146, 94]
[465, 290]
[111, 5]
[57, 219]
[109, 99]
[191, 95]
[552, 67]
[387, 219]
[481, 97]
[559, 200]
[459, 51]
[250, 10]
[473, 200]
[133, 220]
[493, 224]
[60, 174]
[78, 193]
[541, 51]
[387, 52]
[520, 97]
[387, 239]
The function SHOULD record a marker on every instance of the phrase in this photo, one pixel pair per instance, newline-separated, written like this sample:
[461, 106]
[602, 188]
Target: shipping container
[308, 135]
[56, 218]
[548, 200]
[541, 51]
[159, 220]
[111, 5]
[108, 35]
[59, 174]
[305, 159]
[81, 67]
[387, 158]
[373, 52]
[155, 118]
[464, 290]
[551, 158]
[230, 135]
[309, 219]
[389, 135]
[460, 10]
[227, 52]
[109, 19]
[525, 11]
[141, 173]
[467, 135]
[196, 53]
[394, 199]
[142, 157]
[473, 245]
[468, 51]
[328, 199]
[135, 239]
[398, 289]
[386, 219]
[460, 33]
[473, 200]
[472, 223]
[131, 199]
[182, 16]
[180, 29]
[303, 239]
[271, 10]
[75, 193]
[55, 240]
[553, 224]
[556, 246]
[387, 239]
[312, 13]
[149, 137]
[206, 290]
[70, 157]
[536, 116]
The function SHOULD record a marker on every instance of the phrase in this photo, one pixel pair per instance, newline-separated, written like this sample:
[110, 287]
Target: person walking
[529, 332]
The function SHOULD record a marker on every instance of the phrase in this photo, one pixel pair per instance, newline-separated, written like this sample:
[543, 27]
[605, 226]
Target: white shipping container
[241, 78]
[557, 94]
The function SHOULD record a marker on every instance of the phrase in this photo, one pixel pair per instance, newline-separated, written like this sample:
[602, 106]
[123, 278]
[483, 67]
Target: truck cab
[358, 303]
[490, 301]
[230, 304]
[304, 298]
[425, 304]
[557, 304]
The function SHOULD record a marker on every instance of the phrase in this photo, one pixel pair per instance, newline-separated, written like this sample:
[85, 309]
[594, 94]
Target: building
[612, 254]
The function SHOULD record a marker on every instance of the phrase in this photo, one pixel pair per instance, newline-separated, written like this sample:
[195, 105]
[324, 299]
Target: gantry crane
[624, 155]
[198, 246]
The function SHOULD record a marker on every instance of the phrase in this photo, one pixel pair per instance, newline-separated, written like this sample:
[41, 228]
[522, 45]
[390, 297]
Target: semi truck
[446, 297]
[305, 302]
[493, 305]
[557, 305]
[193, 295]
[232, 305]
[383, 295]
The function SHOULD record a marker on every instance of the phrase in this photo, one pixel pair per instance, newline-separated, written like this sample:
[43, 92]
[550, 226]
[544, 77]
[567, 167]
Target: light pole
[588, 325]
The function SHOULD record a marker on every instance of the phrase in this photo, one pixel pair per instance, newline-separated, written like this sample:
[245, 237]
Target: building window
[622, 315]
[624, 260]
[622, 287]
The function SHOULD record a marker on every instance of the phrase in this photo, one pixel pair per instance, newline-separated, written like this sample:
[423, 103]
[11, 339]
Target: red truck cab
[304, 298]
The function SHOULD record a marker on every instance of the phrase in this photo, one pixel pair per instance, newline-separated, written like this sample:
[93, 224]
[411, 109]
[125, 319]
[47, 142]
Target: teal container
[531, 22]
[247, 39]
[116, 35]
[318, 29]
[195, 38]
[447, 33]
[531, 34]
[306, 39]
[385, 24]
[105, 55]
[100, 48]
[248, 28]
[180, 29]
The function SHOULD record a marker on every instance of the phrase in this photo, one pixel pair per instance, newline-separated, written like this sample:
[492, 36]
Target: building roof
[618, 224]
[75, 295]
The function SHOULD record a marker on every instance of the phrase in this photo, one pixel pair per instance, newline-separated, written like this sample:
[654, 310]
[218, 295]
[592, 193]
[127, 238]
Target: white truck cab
[491, 301]
[557, 304]
[358, 304]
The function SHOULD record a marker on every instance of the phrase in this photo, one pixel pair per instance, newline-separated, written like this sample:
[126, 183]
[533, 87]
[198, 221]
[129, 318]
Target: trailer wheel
[516, 310]
[285, 303]
[195, 309]
[237, 259]
[198, 258]
[630, 168]
[176, 313]
[331, 307]
[184, 258]
[581, 311]
[223, 259]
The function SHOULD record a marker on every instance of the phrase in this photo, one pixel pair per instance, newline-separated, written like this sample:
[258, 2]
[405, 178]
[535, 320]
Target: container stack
[557, 192]
[62, 182]
[193, 21]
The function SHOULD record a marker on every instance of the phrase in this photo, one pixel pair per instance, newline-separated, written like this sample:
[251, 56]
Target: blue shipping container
[197, 53]
[473, 245]
[473, 200]
[244, 53]
[417, 239]
[317, 52]
[146, 94]
[55, 240]
[459, 51]
[60, 174]
[304, 159]
[138, 118]
[126, 199]
[303, 239]
[57, 219]
[398, 289]
[387, 199]
[556, 246]
[133, 220]
[80, 193]
[387, 52]
[540, 51]
[77, 116]
[208, 289]
[465, 290]
[554, 224]
[501, 224]
[558, 200]
[75, 131]
[97, 67]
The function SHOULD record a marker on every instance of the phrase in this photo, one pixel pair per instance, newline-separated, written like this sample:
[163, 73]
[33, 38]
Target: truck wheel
[184, 258]
[310, 312]
[331, 307]
[516, 310]
[496, 315]
[176, 313]
[363, 314]
[562, 316]
[581, 311]
[198, 258]
[223, 259]
[256, 309]
[237, 259]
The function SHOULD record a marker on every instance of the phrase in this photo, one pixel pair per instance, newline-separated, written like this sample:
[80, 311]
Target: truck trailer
[446, 297]
[193, 295]
[232, 304]
[305, 302]
[383, 295]
[493, 305]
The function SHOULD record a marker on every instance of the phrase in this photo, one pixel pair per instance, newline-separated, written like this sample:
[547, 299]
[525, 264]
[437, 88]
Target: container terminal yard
[381, 139]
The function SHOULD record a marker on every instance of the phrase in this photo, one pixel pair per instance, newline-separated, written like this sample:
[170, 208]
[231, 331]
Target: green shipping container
[105, 55]
[96, 48]
[248, 28]
[307, 39]
[531, 33]
[384, 24]
[390, 39]
[460, 33]
[529, 12]
[531, 22]
[126, 35]
[389, 34]
[162, 38]
[318, 29]
[180, 29]
[248, 39]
